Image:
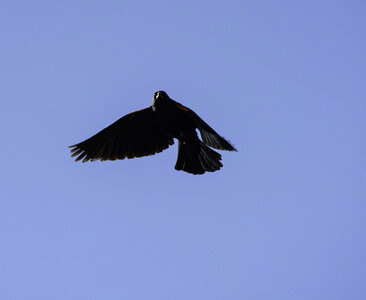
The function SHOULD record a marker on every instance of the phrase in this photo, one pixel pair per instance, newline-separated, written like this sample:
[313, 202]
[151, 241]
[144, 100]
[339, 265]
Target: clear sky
[285, 218]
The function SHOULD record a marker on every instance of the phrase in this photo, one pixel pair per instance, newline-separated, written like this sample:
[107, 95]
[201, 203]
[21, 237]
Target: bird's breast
[175, 121]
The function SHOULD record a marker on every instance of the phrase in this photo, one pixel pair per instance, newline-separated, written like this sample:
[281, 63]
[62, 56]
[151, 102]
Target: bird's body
[151, 130]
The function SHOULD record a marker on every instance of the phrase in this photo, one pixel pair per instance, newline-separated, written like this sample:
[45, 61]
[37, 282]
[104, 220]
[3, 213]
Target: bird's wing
[209, 136]
[134, 135]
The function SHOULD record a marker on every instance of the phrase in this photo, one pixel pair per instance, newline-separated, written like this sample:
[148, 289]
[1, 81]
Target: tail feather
[210, 159]
[197, 158]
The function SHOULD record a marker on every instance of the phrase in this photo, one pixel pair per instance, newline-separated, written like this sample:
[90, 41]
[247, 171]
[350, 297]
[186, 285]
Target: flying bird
[152, 130]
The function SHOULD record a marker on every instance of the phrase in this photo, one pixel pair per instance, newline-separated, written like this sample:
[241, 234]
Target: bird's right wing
[134, 135]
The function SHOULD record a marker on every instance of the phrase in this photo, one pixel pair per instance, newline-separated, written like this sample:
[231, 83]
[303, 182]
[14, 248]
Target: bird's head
[160, 94]
[158, 97]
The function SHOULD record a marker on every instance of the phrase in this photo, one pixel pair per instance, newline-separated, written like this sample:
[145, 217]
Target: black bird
[151, 130]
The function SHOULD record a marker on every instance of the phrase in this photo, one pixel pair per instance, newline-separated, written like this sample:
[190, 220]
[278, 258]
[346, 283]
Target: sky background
[285, 218]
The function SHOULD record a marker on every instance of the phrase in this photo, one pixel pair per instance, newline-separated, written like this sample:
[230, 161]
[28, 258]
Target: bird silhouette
[152, 130]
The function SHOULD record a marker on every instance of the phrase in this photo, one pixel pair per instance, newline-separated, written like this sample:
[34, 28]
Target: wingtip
[229, 146]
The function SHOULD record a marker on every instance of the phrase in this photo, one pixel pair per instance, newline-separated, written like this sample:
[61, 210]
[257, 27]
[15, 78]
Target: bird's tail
[197, 158]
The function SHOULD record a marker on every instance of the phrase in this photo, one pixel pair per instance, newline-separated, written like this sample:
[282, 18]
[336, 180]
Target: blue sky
[285, 217]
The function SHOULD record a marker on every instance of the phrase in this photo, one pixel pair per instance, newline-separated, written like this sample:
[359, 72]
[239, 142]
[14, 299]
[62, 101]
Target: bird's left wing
[209, 136]
[134, 135]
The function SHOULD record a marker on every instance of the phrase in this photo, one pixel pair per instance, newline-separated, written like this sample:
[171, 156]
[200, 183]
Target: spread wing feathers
[209, 136]
[134, 135]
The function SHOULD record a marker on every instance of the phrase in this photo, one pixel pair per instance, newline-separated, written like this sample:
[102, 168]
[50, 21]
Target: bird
[153, 129]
